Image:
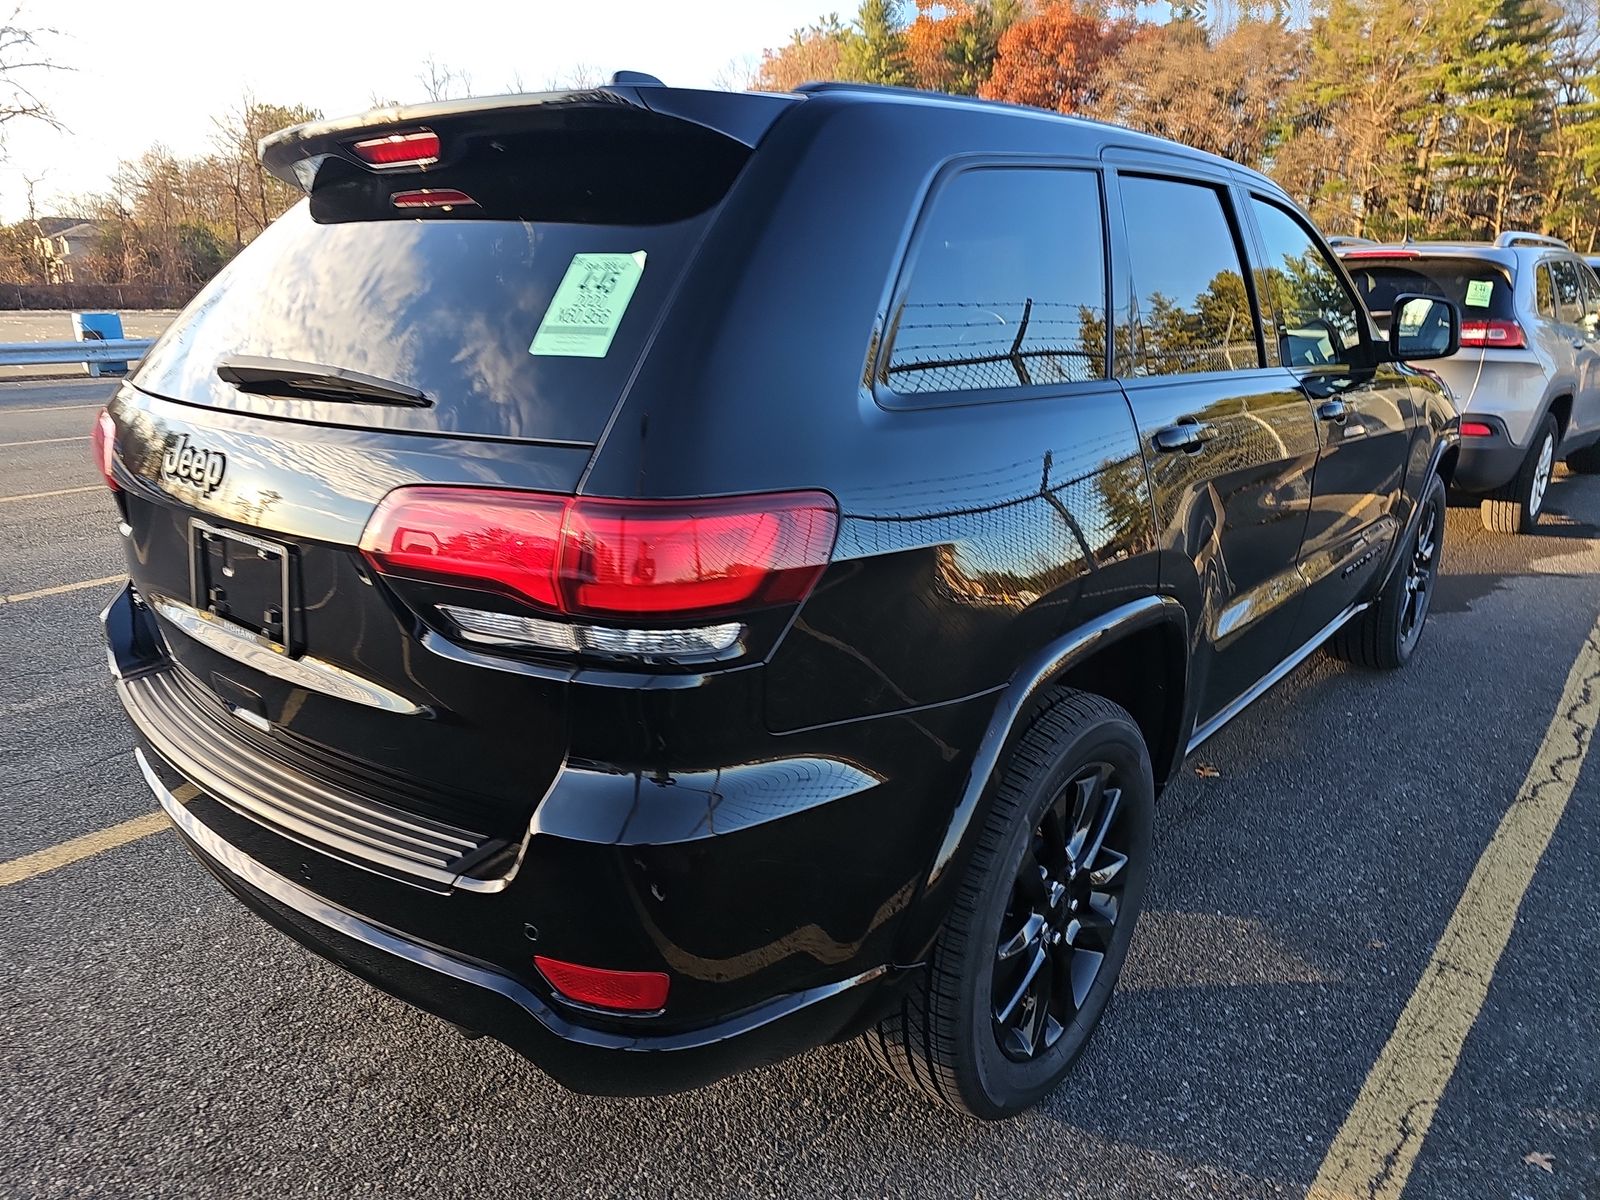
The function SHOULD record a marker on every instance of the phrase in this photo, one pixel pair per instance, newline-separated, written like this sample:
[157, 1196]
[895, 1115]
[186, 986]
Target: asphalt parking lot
[161, 1041]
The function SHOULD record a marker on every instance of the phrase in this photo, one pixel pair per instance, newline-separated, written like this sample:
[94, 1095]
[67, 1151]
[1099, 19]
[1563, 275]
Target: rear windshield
[1481, 290]
[521, 316]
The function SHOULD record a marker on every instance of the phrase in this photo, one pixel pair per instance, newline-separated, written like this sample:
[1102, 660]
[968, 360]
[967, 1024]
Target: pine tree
[875, 52]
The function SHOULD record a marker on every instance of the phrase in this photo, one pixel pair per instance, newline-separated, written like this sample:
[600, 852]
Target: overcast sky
[157, 70]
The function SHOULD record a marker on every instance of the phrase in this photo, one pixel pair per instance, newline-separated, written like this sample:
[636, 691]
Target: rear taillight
[416, 148]
[1476, 429]
[622, 991]
[608, 558]
[104, 440]
[1496, 334]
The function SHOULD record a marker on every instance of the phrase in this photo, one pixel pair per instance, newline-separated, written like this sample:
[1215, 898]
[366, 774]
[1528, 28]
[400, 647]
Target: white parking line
[5, 412]
[56, 591]
[44, 441]
[93, 487]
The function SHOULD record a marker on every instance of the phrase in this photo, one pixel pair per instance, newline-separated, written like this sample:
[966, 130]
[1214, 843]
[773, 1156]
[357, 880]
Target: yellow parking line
[59, 589]
[44, 441]
[1374, 1151]
[30, 865]
[93, 487]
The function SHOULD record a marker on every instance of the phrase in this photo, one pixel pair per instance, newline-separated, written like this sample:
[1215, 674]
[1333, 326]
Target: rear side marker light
[418, 148]
[581, 557]
[445, 198]
[1476, 429]
[506, 629]
[1496, 334]
[104, 440]
[620, 991]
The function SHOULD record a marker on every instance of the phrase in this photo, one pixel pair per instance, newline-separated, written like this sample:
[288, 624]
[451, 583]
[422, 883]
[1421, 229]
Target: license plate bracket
[244, 579]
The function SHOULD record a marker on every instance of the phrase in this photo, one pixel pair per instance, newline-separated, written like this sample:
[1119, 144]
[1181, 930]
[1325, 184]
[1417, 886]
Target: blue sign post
[99, 327]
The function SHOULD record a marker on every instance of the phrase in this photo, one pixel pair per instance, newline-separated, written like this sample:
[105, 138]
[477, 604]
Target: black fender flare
[1032, 678]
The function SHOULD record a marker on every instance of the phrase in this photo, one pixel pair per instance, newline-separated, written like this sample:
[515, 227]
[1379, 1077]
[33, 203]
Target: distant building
[63, 245]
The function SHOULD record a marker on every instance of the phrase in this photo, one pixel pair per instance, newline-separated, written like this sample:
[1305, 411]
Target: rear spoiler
[295, 154]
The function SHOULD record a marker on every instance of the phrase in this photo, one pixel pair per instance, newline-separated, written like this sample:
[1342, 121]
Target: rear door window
[1569, 290]
[1007, 286]
[1544, 293]
[1194, 309]
[1319, 322]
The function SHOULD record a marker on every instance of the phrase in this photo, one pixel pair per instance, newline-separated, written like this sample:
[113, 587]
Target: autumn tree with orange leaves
[951, 45]
[1055, 58]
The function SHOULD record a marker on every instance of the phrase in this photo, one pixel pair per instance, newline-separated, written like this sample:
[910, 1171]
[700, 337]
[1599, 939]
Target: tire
[1515, 508]
[1585, 461]
[1384, 637]
[944, 1038]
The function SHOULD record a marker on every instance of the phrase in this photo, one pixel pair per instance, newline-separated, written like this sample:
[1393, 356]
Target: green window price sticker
[588, 306]
[1478, 293]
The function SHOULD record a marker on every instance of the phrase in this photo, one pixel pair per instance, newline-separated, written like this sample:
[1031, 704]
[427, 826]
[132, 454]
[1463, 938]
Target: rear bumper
[1485, 464]
[479, 998]
[717, 881]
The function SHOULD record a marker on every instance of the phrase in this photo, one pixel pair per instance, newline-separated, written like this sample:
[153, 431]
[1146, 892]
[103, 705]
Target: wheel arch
[1111, 656]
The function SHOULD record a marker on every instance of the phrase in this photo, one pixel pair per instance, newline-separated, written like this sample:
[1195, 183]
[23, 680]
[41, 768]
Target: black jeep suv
[670, 578]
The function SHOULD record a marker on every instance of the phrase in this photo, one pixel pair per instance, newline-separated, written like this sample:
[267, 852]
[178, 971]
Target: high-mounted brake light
[445, 198]
[623, 991]
[418, 148]
[610, 558]
[104, 440]
[1493, 334]
[1476, 429]
[1350, 255]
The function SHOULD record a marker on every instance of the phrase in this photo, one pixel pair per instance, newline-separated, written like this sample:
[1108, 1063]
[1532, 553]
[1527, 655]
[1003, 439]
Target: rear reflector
[621, 991]
[1497, 334]
[445, 198]
[104, 440]
[417, 148]
[1476, 429]
[587, 557]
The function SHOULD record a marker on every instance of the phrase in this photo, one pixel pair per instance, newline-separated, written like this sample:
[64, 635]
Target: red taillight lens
[445, 198]
[1496, 334]
[414, 149]
[634, 557]
[608, 557]
[624, 991]
[1476, 429]
[505, 542]
[104, 440]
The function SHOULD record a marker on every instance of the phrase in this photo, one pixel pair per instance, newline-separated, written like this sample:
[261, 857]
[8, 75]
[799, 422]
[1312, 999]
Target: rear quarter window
[1006, 286]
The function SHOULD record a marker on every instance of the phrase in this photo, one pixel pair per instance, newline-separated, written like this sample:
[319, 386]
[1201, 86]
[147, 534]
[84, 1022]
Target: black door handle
[1190, 436]
[1333, 410]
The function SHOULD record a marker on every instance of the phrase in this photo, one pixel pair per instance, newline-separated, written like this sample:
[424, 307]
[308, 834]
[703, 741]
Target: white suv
[1527, 376]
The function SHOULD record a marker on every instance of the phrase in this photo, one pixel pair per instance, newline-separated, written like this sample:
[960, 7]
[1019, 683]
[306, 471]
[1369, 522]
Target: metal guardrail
[36, 354]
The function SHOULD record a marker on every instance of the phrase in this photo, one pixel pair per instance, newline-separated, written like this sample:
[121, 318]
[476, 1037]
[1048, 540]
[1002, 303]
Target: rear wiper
[309, 381]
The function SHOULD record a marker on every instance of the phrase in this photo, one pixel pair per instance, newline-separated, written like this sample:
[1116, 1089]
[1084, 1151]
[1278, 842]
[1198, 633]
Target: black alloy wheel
[1039, 926]
[1062, 915]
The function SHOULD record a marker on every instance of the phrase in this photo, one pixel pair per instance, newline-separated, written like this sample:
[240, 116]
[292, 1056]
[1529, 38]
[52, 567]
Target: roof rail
[1517, 237]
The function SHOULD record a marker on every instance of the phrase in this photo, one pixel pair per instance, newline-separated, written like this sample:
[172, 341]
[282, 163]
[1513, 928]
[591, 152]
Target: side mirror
[1423, 327]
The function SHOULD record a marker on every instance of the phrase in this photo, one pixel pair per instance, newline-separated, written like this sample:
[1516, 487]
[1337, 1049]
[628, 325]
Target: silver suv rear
[1527, 376]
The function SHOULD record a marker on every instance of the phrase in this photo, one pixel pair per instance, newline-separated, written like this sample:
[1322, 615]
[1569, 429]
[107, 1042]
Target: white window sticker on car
[588, 306]
[1478, 293]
